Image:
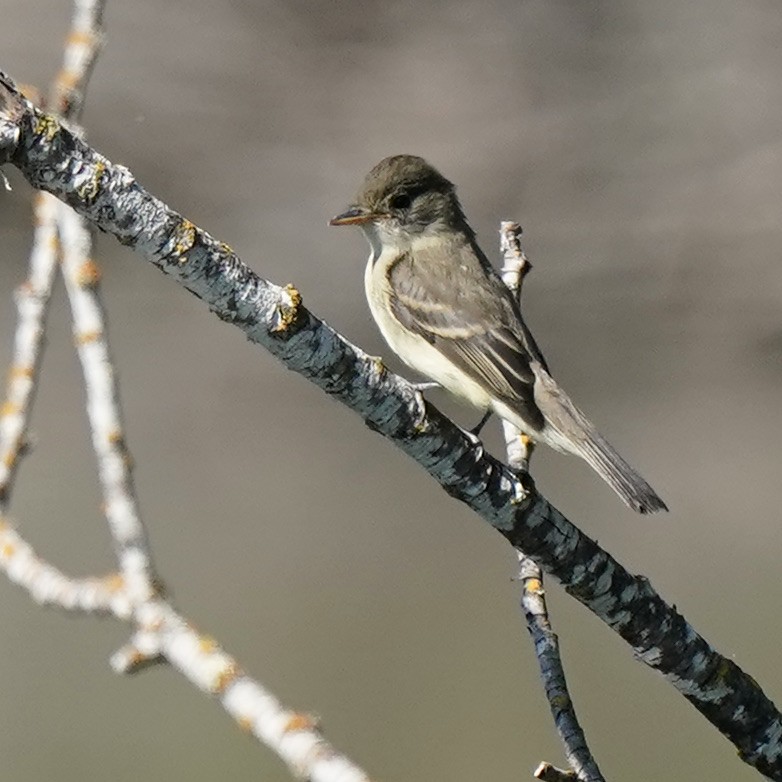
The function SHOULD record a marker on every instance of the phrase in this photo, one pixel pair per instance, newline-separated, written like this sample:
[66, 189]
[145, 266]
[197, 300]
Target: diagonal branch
[52, 158]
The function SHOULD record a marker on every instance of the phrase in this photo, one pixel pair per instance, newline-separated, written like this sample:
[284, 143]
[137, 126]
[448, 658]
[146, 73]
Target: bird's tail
[634, 491]
[575, 433]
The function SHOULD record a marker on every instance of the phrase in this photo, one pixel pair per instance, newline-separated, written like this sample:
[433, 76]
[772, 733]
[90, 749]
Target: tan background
[639, 145]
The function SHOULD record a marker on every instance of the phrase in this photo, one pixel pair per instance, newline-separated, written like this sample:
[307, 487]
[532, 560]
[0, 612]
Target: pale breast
[413, 349]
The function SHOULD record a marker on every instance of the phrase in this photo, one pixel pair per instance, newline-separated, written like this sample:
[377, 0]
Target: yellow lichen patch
[114, 582]
[90, 189]
[67, 79]
[225, 677]
[206, 644]
[85, 337]
[287, 312]
[184, 239]
[300, 721]
[79, 38]
[290, 289]
[7, 550]
[226, 248]
[54, 243]
[20, 372]
[135, 658]
[39, 199]
[534, 585]
[9, 459]
[46, 126]
[9, 408]
[245, 724]
[88, 275]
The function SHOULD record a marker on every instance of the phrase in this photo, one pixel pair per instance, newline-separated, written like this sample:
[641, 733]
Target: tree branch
[533, 597]
[161, 633]
[53, 159]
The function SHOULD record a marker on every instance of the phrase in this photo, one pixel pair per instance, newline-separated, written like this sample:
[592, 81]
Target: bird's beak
[353, 216]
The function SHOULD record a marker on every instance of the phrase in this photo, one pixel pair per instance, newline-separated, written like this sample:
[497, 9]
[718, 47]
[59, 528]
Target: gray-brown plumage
[445, 311]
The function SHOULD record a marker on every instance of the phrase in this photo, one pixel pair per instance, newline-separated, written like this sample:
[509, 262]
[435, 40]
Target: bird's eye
[400, 201]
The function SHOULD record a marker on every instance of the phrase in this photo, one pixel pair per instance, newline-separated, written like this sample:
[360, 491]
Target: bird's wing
[464, 310]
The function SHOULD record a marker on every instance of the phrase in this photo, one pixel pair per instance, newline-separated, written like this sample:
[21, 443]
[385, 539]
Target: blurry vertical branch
[54, 159]
[134, 593]
[533, 598]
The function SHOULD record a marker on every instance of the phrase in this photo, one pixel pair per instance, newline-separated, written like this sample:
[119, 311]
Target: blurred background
[639, 146]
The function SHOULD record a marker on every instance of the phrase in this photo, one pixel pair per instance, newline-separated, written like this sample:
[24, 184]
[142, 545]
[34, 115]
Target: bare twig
[82, 47]
[294, 736]
[533, 597]
[32, 301]
[48, 586]
[82, 277]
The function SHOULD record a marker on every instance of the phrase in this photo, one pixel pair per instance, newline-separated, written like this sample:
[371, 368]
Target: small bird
[445, 312]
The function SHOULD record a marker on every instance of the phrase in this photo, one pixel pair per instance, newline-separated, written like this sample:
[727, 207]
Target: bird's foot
[418, 392]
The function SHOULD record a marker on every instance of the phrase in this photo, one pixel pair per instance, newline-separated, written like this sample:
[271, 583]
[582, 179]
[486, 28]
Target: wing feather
[461, 307]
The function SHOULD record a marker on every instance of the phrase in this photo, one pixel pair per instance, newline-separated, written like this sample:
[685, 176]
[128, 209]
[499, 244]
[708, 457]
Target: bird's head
[401, 198]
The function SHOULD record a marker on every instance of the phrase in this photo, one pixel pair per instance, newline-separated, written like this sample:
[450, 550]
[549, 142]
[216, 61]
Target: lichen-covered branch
[533, 597]
[53, 159]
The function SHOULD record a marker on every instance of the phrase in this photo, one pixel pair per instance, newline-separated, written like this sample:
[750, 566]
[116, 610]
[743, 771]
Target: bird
[444, 310]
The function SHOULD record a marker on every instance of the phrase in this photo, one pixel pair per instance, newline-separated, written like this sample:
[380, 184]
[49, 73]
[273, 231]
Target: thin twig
[82, 278]
[294, 736]
[82, 47]
[50, 587]
[533, 597]
[32, 302]
[52, 158]
[33, 296]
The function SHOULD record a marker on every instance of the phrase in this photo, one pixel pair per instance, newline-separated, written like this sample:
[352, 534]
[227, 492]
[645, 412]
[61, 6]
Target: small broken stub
[287, 311]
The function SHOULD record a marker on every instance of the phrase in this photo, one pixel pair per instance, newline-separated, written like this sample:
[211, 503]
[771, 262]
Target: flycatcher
[445, 312]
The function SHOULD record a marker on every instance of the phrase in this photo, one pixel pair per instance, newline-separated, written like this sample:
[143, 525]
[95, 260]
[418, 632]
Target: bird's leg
[476, 430]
